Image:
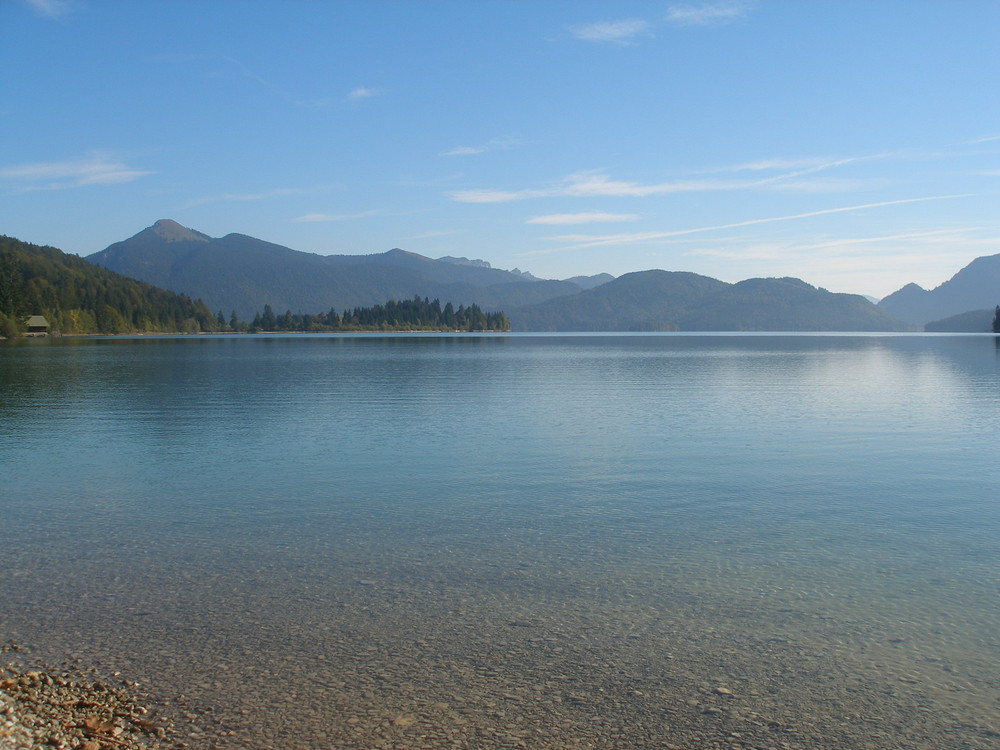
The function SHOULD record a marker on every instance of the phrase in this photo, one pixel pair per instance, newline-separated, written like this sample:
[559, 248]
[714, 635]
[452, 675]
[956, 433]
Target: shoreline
[74, 708]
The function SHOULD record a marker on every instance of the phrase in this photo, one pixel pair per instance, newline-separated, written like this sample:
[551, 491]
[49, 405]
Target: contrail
[647, 236]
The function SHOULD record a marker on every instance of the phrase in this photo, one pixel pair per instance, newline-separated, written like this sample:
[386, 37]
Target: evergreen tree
[267, 321]
[10, 287]
[996, 320]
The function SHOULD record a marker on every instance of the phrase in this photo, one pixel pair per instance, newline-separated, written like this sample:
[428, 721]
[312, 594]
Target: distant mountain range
[681, 301]
[974, 289]
[242, 274]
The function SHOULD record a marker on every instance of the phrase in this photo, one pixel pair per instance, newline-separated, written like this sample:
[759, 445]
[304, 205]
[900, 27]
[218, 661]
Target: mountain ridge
[974, 287]
[241, 273]
[683, 301]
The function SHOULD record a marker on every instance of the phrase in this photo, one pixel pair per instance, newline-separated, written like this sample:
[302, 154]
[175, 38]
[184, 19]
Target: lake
[536, 541]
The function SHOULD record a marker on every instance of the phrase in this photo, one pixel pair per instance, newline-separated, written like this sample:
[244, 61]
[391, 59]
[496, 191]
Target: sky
[854, 144]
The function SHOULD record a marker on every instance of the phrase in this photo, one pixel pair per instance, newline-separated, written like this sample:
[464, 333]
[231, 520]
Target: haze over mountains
[973, 290]
[242, 274]
[683, 301]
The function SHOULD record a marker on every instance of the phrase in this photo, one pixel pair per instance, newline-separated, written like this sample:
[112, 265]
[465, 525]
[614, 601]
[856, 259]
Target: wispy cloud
[494, 144]
[249, 197]
[823, 185]
[628, 30]
[588, 217]
[594, 183]
[363, 92]
[96, 168]
[51, 8]
[581, 241]
[765, 165]
[853, 263]
[985, 139]
[307, 218]
[618, 32]
[708, 14]
[229, 69]
[930, 237]
[583, 185]
[436, 233]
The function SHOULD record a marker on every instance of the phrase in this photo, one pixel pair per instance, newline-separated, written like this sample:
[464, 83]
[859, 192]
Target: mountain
[78, 297]
[785, 304]
[974, 321]
[680, 301]
[589, 282]
[242, 274]
[975, 287]
[640, 301]
[465, 261]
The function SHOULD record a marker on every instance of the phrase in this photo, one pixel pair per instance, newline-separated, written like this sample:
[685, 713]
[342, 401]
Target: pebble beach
[70, 709]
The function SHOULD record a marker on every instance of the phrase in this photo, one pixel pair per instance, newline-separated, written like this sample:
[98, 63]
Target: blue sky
[853, 144]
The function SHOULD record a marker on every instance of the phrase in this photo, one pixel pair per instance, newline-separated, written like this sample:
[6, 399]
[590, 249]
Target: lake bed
[516, 540]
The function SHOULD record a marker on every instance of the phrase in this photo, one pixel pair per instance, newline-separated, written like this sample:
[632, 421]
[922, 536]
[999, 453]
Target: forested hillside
[75, 296]
[680, 301]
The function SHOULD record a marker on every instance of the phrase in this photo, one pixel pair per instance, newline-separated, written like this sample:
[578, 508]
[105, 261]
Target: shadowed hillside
[78, 297]
[677, 301]
[975, 287]
[242, 274]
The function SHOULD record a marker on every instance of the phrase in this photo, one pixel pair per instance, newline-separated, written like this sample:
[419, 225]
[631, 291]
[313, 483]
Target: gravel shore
[69, 709]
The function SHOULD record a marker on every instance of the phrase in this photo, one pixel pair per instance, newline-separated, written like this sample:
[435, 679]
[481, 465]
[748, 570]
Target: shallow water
[503, 541]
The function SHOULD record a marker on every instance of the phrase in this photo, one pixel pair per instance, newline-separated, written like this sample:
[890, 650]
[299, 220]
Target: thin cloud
[581, 242]
[94, 169]
[589, 217]
[433, 234]
[227, 69]
[51, 8]
[363, 92]
[494, 144]
[595, 184]
[248, 197]
[618, 32]
[930, 237]
[590, 184]
[708, 14]
[465, 151]
[985, 139]
[764, 165]
[307, 218]
[825, 185]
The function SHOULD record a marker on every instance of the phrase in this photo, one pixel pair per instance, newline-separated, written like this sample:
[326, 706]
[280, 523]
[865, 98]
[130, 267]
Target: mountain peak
[463, 261]
[170, 231]
[972, 288]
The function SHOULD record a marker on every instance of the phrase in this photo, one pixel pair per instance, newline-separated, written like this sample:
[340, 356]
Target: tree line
[75, 296]
[417, 314]
[78, 297]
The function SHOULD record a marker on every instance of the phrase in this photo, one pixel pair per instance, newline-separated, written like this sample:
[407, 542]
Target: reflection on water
[493, 540]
